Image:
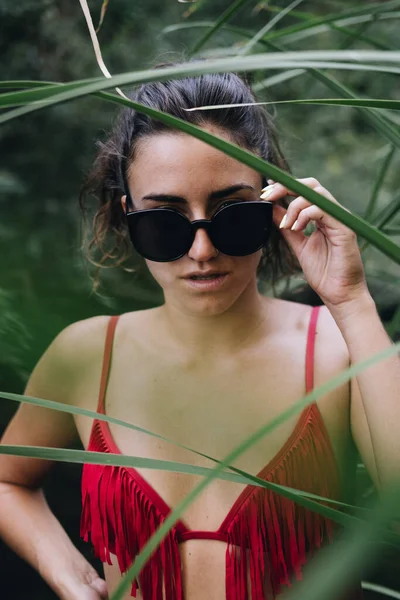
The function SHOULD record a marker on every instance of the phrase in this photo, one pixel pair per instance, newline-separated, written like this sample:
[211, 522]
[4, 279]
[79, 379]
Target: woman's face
[188, 172]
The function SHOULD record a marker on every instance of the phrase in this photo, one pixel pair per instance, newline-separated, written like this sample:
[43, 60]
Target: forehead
[174, 162]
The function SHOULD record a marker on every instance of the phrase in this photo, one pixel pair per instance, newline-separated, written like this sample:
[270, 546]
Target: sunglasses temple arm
[125, 186]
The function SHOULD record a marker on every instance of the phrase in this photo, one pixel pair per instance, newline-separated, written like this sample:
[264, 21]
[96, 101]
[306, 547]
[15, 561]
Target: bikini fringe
[278, 548]
[263, 553]
[130, 520]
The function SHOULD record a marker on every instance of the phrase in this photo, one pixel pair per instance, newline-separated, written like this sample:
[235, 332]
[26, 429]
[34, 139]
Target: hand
[329, 257]
[86, 585]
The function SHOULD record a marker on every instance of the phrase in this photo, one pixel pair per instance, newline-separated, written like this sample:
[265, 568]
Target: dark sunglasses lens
[159, 234]
[243, 228]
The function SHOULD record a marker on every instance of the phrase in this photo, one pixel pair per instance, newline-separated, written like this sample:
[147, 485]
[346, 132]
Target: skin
[201, 365]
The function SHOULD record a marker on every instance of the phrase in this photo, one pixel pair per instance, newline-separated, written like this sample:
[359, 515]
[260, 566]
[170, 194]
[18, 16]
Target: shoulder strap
[106, 362]
[312, 327]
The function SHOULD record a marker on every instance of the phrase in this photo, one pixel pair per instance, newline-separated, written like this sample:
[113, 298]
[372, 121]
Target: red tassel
[118, 518]
[269, 537]
[275, 529]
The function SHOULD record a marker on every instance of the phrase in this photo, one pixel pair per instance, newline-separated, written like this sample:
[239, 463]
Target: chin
[206, 305]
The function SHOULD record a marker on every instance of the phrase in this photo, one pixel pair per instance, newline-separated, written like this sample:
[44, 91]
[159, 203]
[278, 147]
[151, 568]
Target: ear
[123, 203]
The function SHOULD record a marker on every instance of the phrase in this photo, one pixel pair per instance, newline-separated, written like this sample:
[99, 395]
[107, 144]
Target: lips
[206, 281]
[203, 275]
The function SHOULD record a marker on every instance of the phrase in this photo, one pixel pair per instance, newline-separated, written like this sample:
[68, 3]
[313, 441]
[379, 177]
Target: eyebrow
[217, 195]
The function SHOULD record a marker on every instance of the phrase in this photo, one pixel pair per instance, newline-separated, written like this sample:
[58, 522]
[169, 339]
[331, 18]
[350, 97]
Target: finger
[295, 239]
[278, 213]
[293, 211]
[275, 191]
[300, 207]
[101, 587]
[311, 213]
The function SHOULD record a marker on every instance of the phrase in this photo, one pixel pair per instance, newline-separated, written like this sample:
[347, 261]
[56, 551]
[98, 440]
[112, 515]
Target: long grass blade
[228, 14]
[379, 182]
[380, 589]
[102, 14]
[364, 21]
[367, 102]
[357, 224]
[76, 410]
[357, 102]
[381, 123]
[392, 230]
[352, 60]
[268, 27]
[175, 514]
[333, 569]
[387, 214]
[122, 460]
[340, 23]
[325, 20]
[359, 34]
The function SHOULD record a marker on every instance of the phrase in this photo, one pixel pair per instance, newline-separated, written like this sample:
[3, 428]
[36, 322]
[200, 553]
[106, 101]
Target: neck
[221, 334]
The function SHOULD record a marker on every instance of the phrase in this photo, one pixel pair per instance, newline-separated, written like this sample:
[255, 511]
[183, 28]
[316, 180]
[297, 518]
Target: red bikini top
[267, 536]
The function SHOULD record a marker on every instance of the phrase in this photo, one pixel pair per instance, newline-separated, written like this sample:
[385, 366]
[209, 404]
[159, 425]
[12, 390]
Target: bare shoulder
[81, 339]
[73, 352]
[72, 357]
[293, 318]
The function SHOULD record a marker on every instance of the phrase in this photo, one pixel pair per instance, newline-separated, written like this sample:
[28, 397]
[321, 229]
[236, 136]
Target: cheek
[161, 272]
[250, 263]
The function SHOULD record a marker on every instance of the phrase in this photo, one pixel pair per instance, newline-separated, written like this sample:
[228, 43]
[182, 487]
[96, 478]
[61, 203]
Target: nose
[202, 248]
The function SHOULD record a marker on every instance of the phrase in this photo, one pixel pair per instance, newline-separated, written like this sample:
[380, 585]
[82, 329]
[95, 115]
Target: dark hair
[248, 126]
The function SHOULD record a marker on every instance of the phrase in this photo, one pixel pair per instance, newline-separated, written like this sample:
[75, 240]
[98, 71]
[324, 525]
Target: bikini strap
[105, 371]
[312, 328]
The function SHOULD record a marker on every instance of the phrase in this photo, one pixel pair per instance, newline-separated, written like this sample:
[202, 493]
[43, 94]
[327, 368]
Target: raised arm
[331, 262]
[27, 524]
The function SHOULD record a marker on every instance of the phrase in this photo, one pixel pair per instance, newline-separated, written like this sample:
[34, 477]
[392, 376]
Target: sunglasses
[165, 234]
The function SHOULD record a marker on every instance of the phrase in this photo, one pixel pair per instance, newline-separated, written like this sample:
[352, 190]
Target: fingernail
[267, 191]
[270, 181]
[267, 187]
[294, 226]
[283, 222]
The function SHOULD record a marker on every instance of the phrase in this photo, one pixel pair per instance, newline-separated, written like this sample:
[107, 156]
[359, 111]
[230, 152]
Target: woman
[205, 368]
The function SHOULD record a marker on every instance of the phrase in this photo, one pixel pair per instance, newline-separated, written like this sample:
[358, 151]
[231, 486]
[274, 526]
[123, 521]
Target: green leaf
[381, 123]
[381, 590]
[268, 27]
[377, 121]
[241, 32]
[334, 569]
[357, 224]
[325, 20]
[360, 35]
[379, 182]
[176, 513]
[310, 26]
[102, 14]
[123, 460]
[232, 10]
[272, 60]
[388, 213]
[364, 102]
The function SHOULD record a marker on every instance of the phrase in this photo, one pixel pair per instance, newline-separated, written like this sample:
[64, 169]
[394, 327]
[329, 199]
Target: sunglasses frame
[197, 224]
